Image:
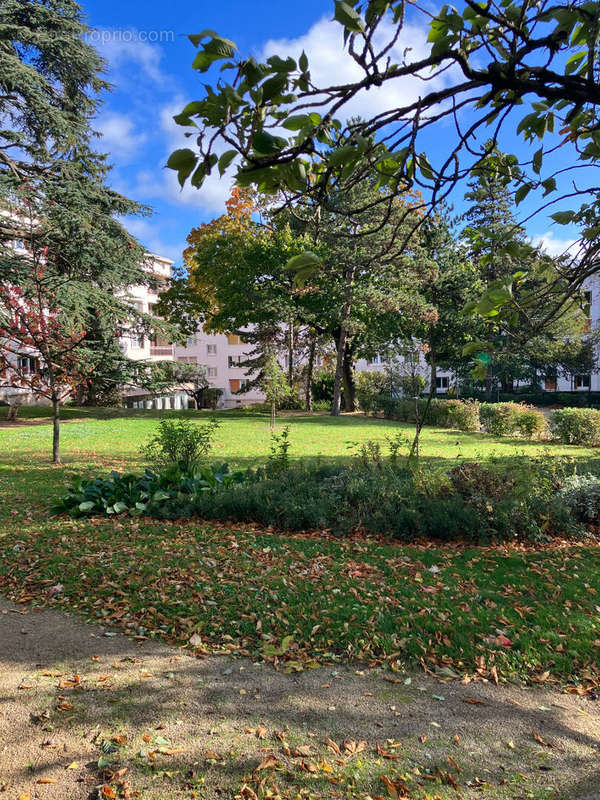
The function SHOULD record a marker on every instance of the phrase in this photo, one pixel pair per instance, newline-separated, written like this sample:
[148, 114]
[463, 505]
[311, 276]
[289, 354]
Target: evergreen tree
[77, 260]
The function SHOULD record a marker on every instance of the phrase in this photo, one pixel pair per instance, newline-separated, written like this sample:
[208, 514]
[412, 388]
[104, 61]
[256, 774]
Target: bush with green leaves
[581, 495]
[180, 442]
[279, 456]
[170, 494]
[515, 501]
[369, 388]
[576, 426]
[499, 419]
[459, 414]
[531, 423]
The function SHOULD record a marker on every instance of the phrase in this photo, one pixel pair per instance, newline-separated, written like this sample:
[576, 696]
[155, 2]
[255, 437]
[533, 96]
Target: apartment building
[223, 355]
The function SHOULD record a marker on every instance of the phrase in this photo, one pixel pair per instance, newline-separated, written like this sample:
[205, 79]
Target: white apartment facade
[222, 354]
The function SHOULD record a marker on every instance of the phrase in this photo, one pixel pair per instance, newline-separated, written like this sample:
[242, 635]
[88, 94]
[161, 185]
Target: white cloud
[119, 137]
[551, 244]
[121, 49]
[148, 235]
[330, 64]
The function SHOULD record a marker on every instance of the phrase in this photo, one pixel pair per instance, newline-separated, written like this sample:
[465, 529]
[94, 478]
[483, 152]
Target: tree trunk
[291, 355]
[309, 375]
[56, 430]
[341, 345]
[339, 370]
[433, 375]
[348, 379]
[273, 414]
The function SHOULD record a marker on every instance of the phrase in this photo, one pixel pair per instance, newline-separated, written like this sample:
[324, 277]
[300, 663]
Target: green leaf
[217, 49]
[343, 155]
[183, 162]
[297, 122]
[88, 505]
[303, 62]
[274, 86]
[563, 217]
[549, 186]
[226, 160]
[265, 143]
[303, 261]
[522, 193]
[349, 17]
[537, 160]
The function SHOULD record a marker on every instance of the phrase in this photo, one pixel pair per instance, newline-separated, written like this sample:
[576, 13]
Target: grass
[503, 614]
[443, 606]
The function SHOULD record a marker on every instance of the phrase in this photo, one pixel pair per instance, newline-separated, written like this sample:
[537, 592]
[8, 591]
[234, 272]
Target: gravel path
[87, 713]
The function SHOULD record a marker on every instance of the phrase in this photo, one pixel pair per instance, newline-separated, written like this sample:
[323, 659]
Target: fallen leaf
[46, 780]
[539, 739]
[269, 762]
[333, 746]
[473, 701]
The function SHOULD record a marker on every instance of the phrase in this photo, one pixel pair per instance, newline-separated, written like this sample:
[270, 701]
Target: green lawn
[519, 613]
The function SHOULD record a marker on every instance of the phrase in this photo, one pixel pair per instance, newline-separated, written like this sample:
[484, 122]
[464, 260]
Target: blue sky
[149, 57]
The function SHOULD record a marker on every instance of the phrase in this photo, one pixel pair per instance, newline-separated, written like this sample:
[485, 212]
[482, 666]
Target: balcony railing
[161, 350]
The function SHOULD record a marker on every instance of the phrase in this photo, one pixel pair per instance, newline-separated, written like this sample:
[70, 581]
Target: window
[582, 381]
[28, 365]
[233, 338]
[191, 341]
[234, 361]
[376, 360]
[187, 359]
[550, 384]
[137, 341]
[442, 383]
[234, 385]
[588, 300]
[211, 372]
[211, 349]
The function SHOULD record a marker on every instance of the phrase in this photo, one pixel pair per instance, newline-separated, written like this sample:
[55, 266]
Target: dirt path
[85, 713]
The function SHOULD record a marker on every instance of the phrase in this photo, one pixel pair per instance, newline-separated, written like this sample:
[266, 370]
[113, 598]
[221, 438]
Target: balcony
[161, 350]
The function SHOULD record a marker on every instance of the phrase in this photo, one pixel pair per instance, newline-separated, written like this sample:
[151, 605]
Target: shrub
[322, 386]
[499, 419]
[464, 416]
[530, 422]
[369, 387]
[212, 395]
[472, 482]
[459, 414]
[279, 458]
[180, 442]
[581, 495]
[167, 495]
[576, 426]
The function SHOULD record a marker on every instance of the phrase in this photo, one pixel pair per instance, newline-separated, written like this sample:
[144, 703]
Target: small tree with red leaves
[39, 352]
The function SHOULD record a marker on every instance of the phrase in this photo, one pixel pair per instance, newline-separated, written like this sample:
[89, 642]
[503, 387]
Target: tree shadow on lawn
[150, 693]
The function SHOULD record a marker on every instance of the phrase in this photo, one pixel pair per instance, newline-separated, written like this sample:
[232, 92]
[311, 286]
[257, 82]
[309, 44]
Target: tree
[39, 353]
[451, 281]
[524, 68]
[49, 92]
[274, 385]
[77, 260]
[515, 274]
[189, 378]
